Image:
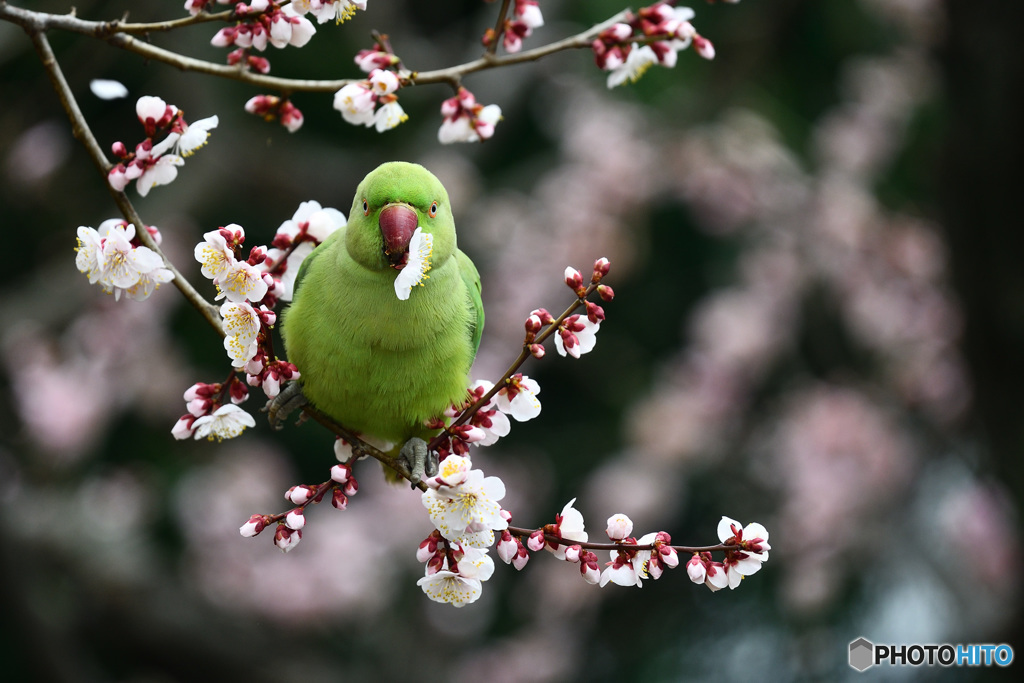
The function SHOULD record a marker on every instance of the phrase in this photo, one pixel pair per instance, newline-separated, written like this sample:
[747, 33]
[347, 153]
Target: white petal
[107, 89]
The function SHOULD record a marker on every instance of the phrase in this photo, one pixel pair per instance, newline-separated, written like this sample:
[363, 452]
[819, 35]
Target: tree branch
[82, 132]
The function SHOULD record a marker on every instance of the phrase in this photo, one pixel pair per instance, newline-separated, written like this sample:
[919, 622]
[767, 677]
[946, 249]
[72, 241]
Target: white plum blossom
[570, 527]
[638, 61]
[753, 540]
[290, 28]
[226, 422]
[214, 253]
[356, 103]
[421, 247]
[108, 257]
[463, 586]
[241, 281]
[471, 504]
[310, 225]
[519, 398]
[388, 116]
[195, 136]
[330, 10]
[241, 327]
[583, 333]
[160, 168]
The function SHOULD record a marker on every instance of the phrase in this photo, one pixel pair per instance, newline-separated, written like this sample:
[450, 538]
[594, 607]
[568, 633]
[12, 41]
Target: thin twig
[82, 132]
[42, 21]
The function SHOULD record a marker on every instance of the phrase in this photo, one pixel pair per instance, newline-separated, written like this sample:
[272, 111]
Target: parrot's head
[390, 203]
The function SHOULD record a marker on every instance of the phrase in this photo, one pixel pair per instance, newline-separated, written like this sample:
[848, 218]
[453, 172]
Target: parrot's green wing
[471, 278]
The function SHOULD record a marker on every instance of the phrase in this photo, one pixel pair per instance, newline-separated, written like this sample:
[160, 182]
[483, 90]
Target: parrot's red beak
[397, 224]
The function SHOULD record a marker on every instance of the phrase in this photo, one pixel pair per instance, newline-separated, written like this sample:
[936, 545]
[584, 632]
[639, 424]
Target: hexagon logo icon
[862, 654]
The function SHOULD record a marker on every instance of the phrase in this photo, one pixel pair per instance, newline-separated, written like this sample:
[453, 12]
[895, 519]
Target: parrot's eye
[433, 209]
[366, 208]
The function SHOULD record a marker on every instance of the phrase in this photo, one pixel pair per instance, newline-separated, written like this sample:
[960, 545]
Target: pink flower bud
[589, 568]
[573, 279]
[295, 519]
[341, 473]
[601, 268]
[255, 525]
[183, 427]
[351, 486]
[285, 538]
[533, 324]
[339, 500]
[507, 547]
[119, 150]
[536, 541]
[521, 558]
[427, 548]
[619, 527]
[655, 568]
[594, 312]
[572, 553]
[542, 313]
[695, 569]
[299, 494]
[703, 46]
[606, 292]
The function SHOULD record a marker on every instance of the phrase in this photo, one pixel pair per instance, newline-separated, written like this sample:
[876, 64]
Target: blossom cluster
[358, 102]
[655, 35]
[113, 257]
[753, 551]
[526, 16]
[464, 120]
[288, 532]
[274, 108]
[463, 506]
[252, 287]
[153, 164]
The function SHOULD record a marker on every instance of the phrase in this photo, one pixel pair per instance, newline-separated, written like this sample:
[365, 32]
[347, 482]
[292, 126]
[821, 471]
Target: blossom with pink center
[195, 136]
[461, 584]
[241, 327]
[226, 422]
[576, 335]
[154, 113]
[754, 547]
[241, 281]
[518, 398]
[215, 254]
[470, 505]
[621, 570]
[638, 61]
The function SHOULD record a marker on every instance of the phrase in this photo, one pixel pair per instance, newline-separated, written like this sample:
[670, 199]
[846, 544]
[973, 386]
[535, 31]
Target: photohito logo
[865, 654]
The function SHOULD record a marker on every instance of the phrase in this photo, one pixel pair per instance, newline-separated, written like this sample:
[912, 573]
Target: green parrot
[378, 364]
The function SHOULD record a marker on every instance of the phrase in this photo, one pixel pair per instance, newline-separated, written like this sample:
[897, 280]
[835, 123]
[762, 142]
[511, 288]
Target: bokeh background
[816, 249]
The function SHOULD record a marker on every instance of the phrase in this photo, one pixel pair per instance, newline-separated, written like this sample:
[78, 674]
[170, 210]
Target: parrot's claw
[284, 404]
[418, 460]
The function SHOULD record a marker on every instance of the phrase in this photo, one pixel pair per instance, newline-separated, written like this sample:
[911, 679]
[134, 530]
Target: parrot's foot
[418, 460]
[284, 404]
